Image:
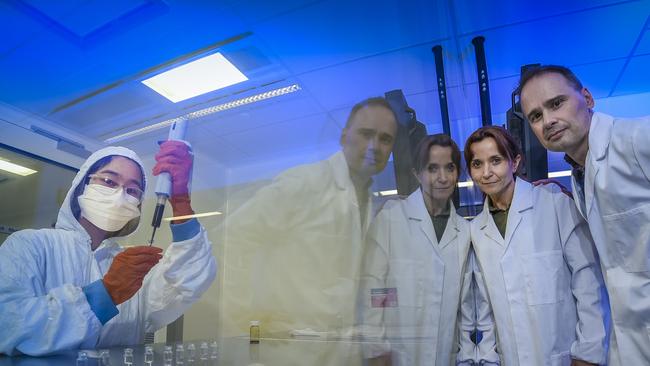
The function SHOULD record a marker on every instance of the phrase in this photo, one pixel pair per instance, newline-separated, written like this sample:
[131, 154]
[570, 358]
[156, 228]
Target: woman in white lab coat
[538, 262]
[415, 264]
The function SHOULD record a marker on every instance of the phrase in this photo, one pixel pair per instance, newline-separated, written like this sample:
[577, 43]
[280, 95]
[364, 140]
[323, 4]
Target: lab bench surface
[231, 351]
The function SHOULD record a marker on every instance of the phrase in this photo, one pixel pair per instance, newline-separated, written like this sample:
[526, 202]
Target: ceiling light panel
[15, 168]
[195, 78]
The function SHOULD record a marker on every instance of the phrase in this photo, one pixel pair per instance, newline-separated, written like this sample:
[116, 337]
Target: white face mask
[108, 208]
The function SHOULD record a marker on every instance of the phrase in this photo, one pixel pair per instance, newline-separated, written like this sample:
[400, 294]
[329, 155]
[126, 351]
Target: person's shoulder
[550, 192]
[462, 221]
[389, 207]
[305, 172]
[31, 237]
[30, 243]
[623, 122]
[626, 129]
[477, 221]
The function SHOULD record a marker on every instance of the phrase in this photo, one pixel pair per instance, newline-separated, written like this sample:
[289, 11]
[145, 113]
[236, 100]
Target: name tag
[383, 297]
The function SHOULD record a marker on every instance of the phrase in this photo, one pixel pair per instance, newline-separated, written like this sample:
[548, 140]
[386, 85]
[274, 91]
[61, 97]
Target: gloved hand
[124, 277]
[175, 158]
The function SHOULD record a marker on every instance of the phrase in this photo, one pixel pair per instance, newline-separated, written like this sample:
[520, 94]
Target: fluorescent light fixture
[205, 214]
[563, 173]
[207, 111]
[466, 184]
[391, 192]
[194, 78]
[15, 168]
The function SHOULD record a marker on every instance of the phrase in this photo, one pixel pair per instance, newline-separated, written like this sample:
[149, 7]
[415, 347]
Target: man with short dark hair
[611, 186]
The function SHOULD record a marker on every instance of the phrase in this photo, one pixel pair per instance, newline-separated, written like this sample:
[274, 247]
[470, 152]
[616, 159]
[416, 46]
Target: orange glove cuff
[181, 205]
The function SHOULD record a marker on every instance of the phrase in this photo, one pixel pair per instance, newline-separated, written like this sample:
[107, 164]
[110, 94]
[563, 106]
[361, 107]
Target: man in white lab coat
[293, 251]
[611, 188]
[75, 287]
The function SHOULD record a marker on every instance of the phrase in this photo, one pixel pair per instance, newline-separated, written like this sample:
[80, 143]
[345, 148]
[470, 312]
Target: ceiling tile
[287, 138]
[411, 70]
[254, 11]
[260, 114]
[474, 16]
[644, 46]
[636, 78]
[574, 39]
[333, 32]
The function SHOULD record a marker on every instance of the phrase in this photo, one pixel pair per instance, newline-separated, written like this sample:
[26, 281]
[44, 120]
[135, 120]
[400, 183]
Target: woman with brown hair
[415, 264]
[538, 262]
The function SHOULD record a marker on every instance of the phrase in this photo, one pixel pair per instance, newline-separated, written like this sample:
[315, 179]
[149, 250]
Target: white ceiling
[78, 64]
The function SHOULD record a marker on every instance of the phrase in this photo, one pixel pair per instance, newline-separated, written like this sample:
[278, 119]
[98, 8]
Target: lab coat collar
[600, 135]
[343, 181]
[342, 172]
[522, 200]
[417, 210]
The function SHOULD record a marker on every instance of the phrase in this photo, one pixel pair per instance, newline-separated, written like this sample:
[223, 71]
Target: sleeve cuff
[186, 230]
[100, 301]
[593, 352]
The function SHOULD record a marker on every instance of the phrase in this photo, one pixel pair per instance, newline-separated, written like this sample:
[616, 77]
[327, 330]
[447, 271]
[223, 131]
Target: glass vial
[191, 353]
[168, 356]
[105, 357]
[148, 355]
[82, 358]
[214, 350]
[180, 354]
[128, 356]
[255, 331]
[204, 351]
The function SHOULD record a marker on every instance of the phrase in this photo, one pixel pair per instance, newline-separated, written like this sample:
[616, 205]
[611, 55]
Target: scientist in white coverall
[415, 265]
[75, 287]
[538, 261]
[611, 188]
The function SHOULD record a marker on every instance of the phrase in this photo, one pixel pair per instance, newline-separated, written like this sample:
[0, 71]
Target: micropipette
[164, 182]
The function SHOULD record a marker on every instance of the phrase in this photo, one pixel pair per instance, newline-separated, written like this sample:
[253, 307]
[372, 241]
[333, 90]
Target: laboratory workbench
[231, 351]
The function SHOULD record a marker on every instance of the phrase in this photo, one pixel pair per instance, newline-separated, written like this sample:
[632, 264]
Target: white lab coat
[542, 280]
[403, 253]
[43, 308]
[293, 253]
[616, 204]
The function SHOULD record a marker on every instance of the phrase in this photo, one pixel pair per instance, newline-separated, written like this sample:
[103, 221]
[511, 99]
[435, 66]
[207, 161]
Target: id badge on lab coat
[383, 297]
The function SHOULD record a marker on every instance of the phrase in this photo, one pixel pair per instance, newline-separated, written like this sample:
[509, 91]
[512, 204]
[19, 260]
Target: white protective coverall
[616, 203]
[49, 279]
[543, 280]
[404, 255]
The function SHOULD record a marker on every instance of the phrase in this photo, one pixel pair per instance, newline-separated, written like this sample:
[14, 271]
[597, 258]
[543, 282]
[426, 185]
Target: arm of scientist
[641, 145]
[46, 303]
[467, 315]
[486, 349]
[188, 267]
[586, 283]
[37, 321]
[185, 272]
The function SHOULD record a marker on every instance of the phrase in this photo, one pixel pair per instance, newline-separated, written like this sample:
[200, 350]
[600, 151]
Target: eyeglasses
[131, 190]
